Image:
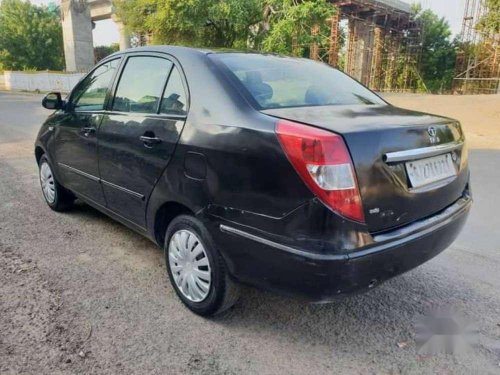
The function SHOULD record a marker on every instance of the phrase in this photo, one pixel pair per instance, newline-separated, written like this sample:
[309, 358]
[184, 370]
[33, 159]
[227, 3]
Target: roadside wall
[41, 81]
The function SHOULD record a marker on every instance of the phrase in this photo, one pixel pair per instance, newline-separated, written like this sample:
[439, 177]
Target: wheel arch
[164, 216]
[39, 152]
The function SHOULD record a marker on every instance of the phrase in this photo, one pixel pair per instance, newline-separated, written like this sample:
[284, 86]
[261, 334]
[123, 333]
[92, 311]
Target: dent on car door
[76, 140]
[138, 135]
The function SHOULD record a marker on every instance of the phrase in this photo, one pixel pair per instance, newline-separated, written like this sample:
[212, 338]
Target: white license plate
[426, 171]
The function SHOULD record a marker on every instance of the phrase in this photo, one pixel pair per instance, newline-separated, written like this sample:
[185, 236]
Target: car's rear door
[75, 146]
[139, 132]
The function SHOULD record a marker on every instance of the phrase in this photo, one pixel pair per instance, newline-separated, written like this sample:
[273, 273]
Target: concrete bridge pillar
[77, 35]
[124, 35]
[360, 48]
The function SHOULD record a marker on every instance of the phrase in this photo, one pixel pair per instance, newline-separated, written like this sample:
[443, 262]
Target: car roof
[186, 51]
[174, 50]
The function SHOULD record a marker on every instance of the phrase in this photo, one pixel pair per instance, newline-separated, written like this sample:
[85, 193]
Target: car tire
[196, 269]
[57, 197]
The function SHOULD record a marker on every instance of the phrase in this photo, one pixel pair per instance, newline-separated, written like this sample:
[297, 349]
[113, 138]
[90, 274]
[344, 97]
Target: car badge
[433, 134]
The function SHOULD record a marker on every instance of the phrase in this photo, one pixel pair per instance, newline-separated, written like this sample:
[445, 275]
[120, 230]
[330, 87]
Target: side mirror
[53, 101]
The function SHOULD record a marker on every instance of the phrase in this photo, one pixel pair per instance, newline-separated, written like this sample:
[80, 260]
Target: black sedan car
[277, 172]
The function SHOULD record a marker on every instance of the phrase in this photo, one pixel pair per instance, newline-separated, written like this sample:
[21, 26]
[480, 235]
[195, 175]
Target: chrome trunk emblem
[433, 134]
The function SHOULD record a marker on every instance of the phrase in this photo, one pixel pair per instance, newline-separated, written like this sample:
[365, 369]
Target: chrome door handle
[150, 140]
[87, 131]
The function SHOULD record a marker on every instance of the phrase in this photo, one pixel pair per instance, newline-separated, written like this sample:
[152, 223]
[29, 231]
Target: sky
[451, 10]
[106, 32]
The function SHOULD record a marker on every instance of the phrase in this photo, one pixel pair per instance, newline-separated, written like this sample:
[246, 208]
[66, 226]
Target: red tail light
[323, 162]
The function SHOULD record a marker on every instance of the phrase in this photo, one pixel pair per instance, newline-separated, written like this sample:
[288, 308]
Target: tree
[292, 23]
[100, 52]
[30, 36]
[490, 22]
[437, 65]
[272, 25]
[210, 23]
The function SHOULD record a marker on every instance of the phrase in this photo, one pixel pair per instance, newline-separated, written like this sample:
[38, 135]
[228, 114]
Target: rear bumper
[258, 261]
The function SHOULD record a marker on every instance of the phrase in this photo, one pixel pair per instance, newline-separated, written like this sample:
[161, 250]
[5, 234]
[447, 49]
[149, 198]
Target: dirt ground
[81, 294]
[479, 114]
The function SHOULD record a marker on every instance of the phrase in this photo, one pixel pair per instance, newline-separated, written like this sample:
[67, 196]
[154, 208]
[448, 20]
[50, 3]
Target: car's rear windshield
[281, 82]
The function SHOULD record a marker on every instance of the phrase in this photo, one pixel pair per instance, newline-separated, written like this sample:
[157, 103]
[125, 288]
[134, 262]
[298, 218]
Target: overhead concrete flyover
[78, 17]
[380, 34]
[377, 30]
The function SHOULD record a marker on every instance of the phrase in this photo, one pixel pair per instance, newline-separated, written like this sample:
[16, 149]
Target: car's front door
[139, 132]
[75, 145]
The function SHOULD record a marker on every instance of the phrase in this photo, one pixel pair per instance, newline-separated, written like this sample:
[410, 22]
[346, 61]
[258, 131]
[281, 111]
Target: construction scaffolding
[478, 60]
[383, 43]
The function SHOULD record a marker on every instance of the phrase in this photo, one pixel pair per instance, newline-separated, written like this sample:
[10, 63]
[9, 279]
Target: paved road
[80, 293]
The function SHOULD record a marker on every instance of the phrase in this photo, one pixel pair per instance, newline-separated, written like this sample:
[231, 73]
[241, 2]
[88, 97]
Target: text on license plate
[426, 171]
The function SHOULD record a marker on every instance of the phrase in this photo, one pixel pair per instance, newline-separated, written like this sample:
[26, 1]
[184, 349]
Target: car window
[174, 97]
[91, 93]
[280, 82]
[141, 84]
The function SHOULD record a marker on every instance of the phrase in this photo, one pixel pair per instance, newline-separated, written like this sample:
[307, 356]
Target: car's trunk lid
[381, 140]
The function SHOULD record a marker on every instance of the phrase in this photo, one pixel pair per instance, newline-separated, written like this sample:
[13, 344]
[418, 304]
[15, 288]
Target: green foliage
[100, 52]
[135, 13]
[490, 23]
[437, 65]
[267, 24]
[291, 23]
[211, 23]
[229, 21]
[30, 36]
